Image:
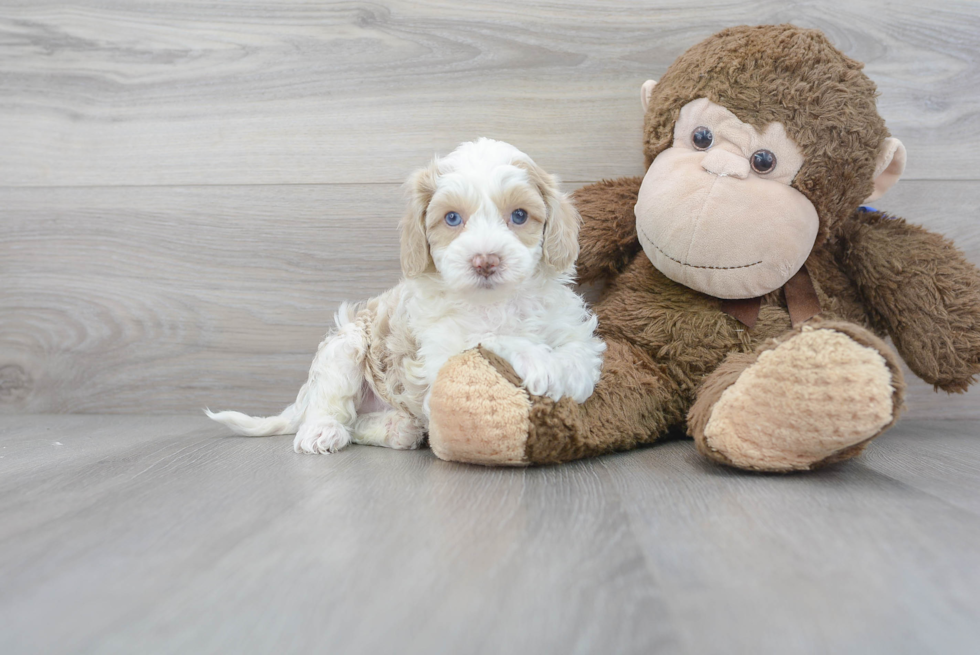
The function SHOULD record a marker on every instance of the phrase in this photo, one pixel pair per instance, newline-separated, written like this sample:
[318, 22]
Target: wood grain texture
[164, 535]
[162, 246]
[157, 298]
[167, 299]
[145, 93]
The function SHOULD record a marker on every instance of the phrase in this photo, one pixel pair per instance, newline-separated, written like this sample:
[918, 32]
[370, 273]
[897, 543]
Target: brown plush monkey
[746, 289]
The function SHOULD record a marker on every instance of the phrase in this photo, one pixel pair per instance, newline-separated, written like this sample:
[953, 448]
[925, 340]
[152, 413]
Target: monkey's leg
[815, 396]
[480, 414]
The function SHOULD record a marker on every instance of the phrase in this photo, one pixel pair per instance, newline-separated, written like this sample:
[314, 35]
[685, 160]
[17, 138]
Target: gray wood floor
[163, 535]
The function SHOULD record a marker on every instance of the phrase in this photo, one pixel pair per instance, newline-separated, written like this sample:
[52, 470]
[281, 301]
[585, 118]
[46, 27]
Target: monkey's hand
[925, 292]
[607, 239]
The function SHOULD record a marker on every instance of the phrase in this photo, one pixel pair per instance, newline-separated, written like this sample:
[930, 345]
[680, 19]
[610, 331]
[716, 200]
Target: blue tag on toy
[865, 209]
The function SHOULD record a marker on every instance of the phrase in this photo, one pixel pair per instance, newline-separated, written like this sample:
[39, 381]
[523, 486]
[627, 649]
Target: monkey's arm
[607, 239]
[923, 290]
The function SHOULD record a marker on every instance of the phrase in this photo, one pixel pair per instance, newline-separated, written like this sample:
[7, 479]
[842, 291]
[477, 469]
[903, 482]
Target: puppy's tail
[260, 426]
[292, 417]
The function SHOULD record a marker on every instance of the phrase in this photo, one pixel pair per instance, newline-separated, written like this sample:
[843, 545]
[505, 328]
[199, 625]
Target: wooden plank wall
[188, 190]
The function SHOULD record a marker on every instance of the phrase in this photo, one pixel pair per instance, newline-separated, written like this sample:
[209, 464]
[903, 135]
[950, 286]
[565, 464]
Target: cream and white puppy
[487, 250]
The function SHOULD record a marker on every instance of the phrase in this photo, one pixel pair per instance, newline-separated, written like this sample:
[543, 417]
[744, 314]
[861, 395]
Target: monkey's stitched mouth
[674, 259]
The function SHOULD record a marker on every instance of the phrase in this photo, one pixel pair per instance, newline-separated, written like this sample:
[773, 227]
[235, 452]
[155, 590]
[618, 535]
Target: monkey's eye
[453, 219]
[518, 217]
[702, 138]
[763, 161]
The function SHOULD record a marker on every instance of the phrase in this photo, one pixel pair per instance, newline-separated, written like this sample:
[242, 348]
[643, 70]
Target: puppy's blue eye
[453, 219]
[518, 217]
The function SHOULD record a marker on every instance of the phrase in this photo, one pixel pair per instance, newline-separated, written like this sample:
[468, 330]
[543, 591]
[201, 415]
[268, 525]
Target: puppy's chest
[463, 329]
[408, 342]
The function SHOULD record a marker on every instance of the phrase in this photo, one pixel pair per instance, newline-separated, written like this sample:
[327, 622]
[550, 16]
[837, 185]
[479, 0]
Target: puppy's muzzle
[485, 265]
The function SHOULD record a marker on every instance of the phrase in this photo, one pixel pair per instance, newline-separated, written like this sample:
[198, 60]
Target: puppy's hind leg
[333, 392]
[389, 428]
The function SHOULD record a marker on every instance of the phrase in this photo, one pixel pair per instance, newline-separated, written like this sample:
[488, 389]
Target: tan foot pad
[810, 397]
[476, 415]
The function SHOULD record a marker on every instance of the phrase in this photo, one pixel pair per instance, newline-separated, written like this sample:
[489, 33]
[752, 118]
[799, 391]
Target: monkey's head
[759, 141]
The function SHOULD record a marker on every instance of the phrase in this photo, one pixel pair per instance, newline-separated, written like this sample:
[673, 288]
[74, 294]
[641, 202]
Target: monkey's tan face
[716, 211]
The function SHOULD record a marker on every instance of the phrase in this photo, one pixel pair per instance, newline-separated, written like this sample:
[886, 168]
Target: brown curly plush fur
[921, 291]
[672, 352]
[881, 275]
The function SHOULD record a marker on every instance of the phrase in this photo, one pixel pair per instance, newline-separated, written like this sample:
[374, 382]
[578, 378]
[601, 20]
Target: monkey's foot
[815, 397]
[478, 412]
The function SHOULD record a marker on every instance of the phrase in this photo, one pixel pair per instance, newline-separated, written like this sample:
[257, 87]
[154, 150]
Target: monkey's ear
[421, 186]
[645, 92]
[890, 166]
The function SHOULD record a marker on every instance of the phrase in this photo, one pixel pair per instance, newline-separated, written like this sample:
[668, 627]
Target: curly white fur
[371, 376]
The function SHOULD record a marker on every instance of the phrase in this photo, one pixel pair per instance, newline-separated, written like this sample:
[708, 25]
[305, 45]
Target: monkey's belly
[683, 330]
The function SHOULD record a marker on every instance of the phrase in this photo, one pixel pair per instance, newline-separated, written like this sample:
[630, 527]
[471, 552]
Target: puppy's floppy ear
[415, 256]
[560, 241]
[561, 232]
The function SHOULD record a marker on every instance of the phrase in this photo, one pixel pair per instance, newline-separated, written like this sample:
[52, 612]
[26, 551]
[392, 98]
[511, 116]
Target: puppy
[487, 250]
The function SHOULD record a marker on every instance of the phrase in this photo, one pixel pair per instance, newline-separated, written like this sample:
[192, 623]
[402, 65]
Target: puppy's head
[487, 217]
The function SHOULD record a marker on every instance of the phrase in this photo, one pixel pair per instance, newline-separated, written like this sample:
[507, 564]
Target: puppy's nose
[485, 265]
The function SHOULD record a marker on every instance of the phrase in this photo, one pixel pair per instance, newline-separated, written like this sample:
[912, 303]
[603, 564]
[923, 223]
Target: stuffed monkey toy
[747, 290]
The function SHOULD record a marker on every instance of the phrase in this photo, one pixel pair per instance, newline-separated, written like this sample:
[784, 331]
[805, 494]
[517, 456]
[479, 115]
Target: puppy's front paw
[536, 369]
[581, 377]
[321, 435]
[573, 371]
[579, 390]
